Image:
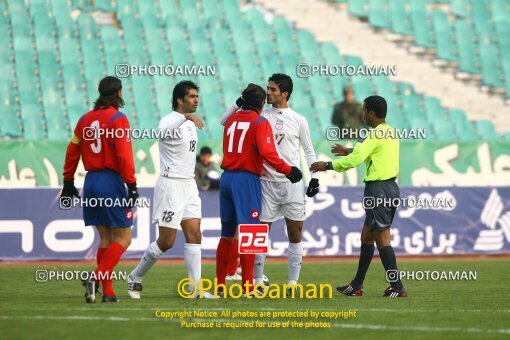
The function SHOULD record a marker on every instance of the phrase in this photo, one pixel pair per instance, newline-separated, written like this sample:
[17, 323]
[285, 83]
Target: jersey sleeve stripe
[117, 115]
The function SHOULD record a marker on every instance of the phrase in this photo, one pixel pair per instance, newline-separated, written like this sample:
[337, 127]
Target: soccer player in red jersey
[247, 142]
[102, 139]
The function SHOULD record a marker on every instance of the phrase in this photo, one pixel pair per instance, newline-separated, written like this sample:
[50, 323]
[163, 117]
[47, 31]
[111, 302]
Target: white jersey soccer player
[279, 196]
[176, 203]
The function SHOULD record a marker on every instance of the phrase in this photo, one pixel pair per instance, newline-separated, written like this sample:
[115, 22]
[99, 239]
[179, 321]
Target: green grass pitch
[441, 309]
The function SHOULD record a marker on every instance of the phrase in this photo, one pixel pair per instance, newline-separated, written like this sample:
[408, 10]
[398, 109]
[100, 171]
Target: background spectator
[348, 114]
[206, 172]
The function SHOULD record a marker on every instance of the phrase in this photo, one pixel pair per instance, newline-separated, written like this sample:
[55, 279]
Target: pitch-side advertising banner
[438, 220]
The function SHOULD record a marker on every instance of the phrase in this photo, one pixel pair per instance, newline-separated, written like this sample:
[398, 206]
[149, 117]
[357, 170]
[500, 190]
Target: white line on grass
[338, 325]
[163, 308]
[420, 329]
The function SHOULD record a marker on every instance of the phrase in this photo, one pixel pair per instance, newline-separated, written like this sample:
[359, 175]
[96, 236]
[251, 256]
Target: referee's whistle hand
[339, 150]
[318, 166]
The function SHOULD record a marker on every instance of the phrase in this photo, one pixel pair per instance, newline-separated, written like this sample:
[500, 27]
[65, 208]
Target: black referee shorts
[380, 202]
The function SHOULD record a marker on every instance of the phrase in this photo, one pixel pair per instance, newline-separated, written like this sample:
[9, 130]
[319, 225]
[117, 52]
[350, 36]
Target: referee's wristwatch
[329, 165]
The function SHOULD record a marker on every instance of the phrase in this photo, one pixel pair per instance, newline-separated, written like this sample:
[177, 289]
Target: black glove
[240, 101]
[313, 187]
[132, 193]
[295, 174]
[69, 190]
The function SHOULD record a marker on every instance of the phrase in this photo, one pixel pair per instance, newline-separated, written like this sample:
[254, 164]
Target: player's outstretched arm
[73, 154]
[195, 119]
[70, 165]
[359, 154]
[231, 110]
[172, 122]
[306, 142]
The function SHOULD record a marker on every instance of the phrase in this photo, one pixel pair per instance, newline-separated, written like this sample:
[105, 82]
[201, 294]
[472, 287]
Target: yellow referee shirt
[379, 150]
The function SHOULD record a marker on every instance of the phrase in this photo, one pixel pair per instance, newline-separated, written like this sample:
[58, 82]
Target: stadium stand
[473, 34]
[58, 46]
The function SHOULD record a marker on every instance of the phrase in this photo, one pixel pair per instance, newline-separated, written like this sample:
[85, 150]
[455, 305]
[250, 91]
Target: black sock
[390, 263]
[365, 257]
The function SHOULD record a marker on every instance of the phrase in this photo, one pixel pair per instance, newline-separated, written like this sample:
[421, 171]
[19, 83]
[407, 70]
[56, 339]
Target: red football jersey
[109, 149]
[247, 142]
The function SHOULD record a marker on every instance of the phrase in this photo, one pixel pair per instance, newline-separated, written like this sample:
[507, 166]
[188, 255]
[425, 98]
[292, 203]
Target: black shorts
[381, 210]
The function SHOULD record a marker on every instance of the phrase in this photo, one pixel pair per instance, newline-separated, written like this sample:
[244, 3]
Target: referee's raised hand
[195, 119]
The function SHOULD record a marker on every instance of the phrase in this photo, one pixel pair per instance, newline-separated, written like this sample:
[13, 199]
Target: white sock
[193, 259]
[258, 268]
[152, 253]
[295, 255]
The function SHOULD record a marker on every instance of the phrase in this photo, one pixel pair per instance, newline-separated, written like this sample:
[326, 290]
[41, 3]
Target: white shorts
[282, 199]
[175, 200]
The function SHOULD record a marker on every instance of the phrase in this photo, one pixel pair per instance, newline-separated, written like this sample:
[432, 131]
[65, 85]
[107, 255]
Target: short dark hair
[376, 104]
[253, 96]
[181, 90]
[284, 82]
[108, 89]
[205, 151]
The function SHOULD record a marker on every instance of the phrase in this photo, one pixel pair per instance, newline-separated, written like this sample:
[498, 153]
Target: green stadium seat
[211, 9]
[421, 123]
[481, 16]
[147, 8]
[10, 125]
[399, 19]
[43, 25]
[443, 130]
[500, 10]
[445, 47]
[179, 53]
[69, 53]
[86, 27]
[358, 7]
[32, 122]
[422, 30]
[411, 106]
[485, 130]
[466, 47]
[490, 70]
[379, 16]
[460, 7]
[105, 5]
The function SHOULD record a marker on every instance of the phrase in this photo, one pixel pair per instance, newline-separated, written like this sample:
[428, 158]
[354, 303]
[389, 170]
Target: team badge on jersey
[279, 124]
[129, 215]
[255, 214]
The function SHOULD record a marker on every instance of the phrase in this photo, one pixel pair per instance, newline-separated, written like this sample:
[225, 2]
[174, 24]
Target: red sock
[233, 258]
[222, 259]
[99, 254]
[109, 260]
[247, 264]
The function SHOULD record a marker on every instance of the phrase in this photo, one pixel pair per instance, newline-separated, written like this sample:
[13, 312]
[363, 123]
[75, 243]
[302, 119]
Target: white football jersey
[177, 147]
[290, 130]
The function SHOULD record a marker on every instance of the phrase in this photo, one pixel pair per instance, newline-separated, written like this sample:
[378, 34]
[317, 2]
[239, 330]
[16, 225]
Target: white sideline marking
[338, 325]
[421, 328]
[386, 310]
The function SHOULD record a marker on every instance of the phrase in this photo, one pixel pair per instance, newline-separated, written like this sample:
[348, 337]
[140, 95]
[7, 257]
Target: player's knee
[367, 239]
[165, 243]
[295, 237]
[195, 237]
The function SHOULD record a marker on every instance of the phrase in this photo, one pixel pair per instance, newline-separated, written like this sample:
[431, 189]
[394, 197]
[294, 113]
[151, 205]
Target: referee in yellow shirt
[380, 152]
